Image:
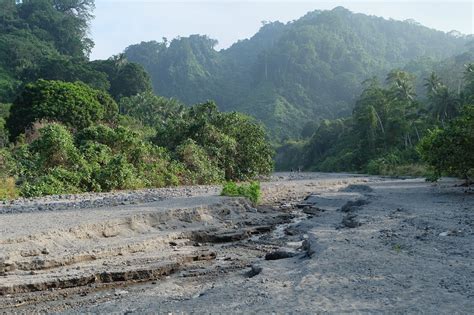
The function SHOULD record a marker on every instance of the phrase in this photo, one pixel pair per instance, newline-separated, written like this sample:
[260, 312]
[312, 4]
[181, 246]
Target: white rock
[120, 292]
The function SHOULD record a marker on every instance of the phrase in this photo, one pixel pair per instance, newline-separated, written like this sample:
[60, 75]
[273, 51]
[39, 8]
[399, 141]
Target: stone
[312, 210]
[353, 205]
[279, 254]
[350, 221]
[254, 270]
[120, 292]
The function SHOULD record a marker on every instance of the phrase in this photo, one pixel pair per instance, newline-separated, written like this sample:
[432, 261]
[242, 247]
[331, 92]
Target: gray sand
[357, 244]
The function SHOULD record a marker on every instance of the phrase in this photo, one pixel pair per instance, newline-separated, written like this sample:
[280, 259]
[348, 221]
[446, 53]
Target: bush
[55, 147]
[236, 142]
[8, 164]
[397, 163]
[58, 181]
[4, 113]
[8, 188]
[74, 104]
[203, 169]
[119, 174]
[450, 150]
[250, 191]
[253, 154]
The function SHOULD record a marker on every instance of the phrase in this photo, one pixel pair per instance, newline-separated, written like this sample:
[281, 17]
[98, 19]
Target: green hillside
[288, 75]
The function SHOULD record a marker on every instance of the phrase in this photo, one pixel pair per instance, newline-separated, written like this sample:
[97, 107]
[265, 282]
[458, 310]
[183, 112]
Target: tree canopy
[74, 104]
[290, 74]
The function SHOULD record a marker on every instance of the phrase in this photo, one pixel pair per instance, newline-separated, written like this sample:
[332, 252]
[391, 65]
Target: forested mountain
[288, 75]
[47, 39]
[68, 124]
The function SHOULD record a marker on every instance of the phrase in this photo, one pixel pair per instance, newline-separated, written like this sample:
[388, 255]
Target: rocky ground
[318, 243]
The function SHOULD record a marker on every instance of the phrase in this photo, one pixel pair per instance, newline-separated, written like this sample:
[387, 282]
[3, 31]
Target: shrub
[8, 165]
[157, 169]
[450, 150]
[204, 170]
[253, 154]
[57, 181]
[236, 142]
[119, 174]
[55, 147]
[74, 104]
[250, 191]
[4, 113]
[8, 188]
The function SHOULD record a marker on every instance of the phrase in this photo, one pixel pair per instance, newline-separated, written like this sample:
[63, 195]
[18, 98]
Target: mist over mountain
[288, 75]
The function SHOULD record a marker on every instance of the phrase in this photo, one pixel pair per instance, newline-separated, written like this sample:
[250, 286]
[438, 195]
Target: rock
[197, 295]
[2, 266]
[452, 233]
[254, 270]
[312, 210]
[353, 205]
[291, 231]
[45, 251]
[308, 248]
[349, 221]
[30, 253]
[279, 254]
[120, 292]
[303, 205]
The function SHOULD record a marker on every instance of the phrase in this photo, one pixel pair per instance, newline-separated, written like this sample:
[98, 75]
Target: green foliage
[247, 152]
[289, 155]
[250, 191]
[450, 150]
[32, 33]
[151, 110]
[95, 159]
[396, 164]
[74, 104]
[203, 169]
[55, 147]
[385, 133]
[57, 181]
[8, 166]
[126, 78]
[4, 113]
[68, 134]
[48, 39]
[118, 173]
[289, 74]
[8, 188]
[236, 143]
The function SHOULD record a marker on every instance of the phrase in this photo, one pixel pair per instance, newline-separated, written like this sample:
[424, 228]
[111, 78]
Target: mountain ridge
[287, 75]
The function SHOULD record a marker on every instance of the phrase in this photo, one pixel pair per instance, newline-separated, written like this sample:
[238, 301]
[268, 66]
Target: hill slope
[287, 75]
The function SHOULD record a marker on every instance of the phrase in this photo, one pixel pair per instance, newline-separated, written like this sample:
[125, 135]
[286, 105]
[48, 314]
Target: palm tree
[433, 84]
[444, 104]
[401, 83]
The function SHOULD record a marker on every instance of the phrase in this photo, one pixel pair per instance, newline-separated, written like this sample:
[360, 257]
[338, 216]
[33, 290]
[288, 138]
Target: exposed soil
[318, 243]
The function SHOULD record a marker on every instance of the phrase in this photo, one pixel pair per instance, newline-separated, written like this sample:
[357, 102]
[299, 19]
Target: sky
[120, 23]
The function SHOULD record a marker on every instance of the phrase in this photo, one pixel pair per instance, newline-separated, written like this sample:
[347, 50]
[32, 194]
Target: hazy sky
[120, 23]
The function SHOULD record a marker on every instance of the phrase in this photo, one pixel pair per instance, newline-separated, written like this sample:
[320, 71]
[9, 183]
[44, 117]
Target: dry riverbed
[318, 243]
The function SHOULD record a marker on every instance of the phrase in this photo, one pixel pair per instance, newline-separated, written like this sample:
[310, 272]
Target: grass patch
[251, 191]
[397, 248]
[8, 188]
